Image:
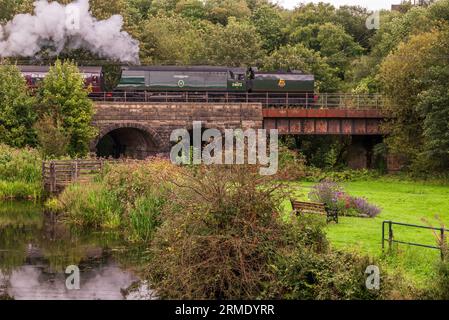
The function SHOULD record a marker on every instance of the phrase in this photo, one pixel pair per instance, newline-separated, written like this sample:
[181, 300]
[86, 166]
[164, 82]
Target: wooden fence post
[443, 247]
[390, 235]
[43, 174]
[52, 177]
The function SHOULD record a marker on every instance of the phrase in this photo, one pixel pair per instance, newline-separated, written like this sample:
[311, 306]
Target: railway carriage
[93, 76]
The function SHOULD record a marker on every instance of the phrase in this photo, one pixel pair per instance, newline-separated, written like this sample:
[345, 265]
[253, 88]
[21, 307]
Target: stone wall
[159, 120]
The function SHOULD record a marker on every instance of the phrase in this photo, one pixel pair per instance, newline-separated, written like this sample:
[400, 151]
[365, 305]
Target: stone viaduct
[141, 129]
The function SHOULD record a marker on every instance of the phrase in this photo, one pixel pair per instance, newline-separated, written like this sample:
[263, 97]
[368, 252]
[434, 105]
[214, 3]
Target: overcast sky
[370, 4]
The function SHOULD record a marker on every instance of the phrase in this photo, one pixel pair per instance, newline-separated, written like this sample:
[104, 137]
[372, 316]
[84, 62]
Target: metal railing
[267, 99]
[391, 239]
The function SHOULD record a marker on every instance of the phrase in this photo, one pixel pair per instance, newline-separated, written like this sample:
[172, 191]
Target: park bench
[300, 207]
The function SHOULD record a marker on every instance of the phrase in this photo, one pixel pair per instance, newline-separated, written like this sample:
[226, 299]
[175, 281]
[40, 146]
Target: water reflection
[36, 248]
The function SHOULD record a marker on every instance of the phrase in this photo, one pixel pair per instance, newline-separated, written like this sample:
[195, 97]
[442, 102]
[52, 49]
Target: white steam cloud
[67, 26]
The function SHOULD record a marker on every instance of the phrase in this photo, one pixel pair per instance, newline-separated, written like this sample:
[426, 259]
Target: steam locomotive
[154, 79]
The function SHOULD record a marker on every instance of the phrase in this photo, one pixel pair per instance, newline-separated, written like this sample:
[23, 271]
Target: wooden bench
[300, 207]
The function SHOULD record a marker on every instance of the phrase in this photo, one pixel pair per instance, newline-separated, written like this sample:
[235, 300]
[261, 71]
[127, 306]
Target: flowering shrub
[363, 207]
[335, 197]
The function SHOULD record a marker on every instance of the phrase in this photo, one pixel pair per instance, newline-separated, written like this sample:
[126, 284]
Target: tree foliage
[332, 43]
[300, 58]
[64, 99]
[171, 40]
[236, 44]
[17, 109]
[415, 78]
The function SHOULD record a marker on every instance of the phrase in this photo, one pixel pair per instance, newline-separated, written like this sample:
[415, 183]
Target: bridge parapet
[266, 99]
[324, 121]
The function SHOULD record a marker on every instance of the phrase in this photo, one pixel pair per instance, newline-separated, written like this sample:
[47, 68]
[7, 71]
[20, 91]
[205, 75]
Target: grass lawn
[401, 201]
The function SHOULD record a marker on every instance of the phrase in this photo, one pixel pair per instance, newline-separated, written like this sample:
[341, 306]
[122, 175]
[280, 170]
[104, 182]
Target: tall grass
[90, 206]
[20, 173]
[128, 196]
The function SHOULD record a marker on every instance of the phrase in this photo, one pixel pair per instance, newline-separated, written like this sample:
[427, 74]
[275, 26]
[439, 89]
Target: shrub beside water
[90, 206]
[219, 236]
[20, 173]
[127, 196]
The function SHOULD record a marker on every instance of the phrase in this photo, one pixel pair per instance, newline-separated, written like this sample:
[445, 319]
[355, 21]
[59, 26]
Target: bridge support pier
[360, 153]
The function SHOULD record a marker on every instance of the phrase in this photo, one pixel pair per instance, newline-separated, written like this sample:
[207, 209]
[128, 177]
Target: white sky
[370, 4]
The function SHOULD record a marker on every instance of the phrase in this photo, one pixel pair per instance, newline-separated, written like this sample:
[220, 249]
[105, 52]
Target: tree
[236, 44]
[9, 8]
[396, 28]
[17, 109]
[138, 10]
[269, 23]
[310, 13]
[193, 9]
[300, 58]
[63, 98]
[353, 20]
[53, 141]
[415, 79]
[171, 40]
[219, 11]
[331, 41]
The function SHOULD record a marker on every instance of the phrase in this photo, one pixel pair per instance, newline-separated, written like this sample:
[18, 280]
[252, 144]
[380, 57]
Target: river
[36, 248]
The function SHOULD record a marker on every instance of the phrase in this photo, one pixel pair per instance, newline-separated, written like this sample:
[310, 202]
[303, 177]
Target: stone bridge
[141, 129]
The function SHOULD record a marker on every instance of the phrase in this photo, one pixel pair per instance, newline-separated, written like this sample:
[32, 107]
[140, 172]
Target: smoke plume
[67, 27]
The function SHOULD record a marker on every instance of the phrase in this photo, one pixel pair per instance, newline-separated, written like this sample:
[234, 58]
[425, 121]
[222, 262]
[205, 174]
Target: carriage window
[241, 77]
[231, 75]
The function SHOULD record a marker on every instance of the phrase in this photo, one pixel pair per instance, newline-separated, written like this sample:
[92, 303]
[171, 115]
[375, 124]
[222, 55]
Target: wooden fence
[56, 175]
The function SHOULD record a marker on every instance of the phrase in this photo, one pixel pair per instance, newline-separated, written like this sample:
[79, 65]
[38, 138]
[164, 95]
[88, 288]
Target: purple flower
[334, 196]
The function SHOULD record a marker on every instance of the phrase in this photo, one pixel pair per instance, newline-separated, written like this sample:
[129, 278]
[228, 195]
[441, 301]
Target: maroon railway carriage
[35, 74]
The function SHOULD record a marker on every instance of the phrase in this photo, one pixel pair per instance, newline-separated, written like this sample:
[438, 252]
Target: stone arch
[129, 139]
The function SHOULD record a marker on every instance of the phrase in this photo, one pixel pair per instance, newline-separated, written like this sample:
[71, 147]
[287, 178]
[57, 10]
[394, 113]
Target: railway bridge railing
[267, 99]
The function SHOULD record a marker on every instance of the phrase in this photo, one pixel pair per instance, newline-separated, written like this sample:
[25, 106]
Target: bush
[132, 180]
[314, 174]
[219, 236]
[19, 190]
[90, 206]
[144, 217]
[222, 238]
[129, 196]
[362, 207]
[20, 173]
[440, 285]
[20, 164]
[53, 142]
[335, 198]
[291, 164]
[306, 275]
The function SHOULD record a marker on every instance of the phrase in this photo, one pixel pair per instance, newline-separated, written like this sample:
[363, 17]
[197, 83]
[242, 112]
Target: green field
[401, 201]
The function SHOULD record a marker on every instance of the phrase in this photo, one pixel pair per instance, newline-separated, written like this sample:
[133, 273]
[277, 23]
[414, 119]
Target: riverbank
[152, 203]
[36, 248]
[143, 203]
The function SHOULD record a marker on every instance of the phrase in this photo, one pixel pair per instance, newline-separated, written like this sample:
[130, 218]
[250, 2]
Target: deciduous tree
[415, 78]
[303, 59]
[17, 109]
[63, 98]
